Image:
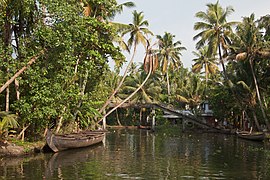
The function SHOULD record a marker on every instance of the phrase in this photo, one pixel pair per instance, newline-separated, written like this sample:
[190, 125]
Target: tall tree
[77, 47]
[148, 93]
[169, 53]
[250, 46]
[17, 20]
[138, 33]
[204, 61]
[215, 30]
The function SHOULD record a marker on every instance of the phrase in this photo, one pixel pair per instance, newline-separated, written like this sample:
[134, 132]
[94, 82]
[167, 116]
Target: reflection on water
[139, 154]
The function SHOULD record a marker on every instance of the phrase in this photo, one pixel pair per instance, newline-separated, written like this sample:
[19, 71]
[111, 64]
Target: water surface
[140, 154]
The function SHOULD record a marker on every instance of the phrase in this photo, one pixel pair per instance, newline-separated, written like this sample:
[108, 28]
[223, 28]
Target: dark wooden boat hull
[74, 140]
[144, 127]
[253, 137]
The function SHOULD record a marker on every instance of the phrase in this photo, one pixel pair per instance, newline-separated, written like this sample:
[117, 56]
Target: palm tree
[205, 61]
[104, 10]
[250, 46]
[119, 8]
[138, 34]
[216, 31]
[249, 99]
[169, 53]
[148, 93]
[264, 23]
[190, 91]
[152, 60]
[7, 121]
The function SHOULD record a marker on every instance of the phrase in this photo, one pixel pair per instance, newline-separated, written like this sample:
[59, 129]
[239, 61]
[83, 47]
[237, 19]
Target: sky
[178, 17]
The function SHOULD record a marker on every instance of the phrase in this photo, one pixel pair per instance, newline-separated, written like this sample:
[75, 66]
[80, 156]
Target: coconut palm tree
[148, 93]
[215, 30]
[203, 60]
[104, 10]
[249, 47]
[119, 8]
[264, 23]
[152, 60]
[191, 91]
[137, 34]
[169, 53]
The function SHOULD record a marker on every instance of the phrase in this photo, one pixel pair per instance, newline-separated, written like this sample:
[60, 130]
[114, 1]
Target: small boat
[257, 136]
[73, 140]
[144, 127]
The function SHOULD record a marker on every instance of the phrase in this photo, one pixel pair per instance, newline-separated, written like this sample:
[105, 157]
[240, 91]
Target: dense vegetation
[63, 49]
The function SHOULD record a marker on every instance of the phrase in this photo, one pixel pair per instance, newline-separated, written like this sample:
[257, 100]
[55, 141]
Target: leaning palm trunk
[32, 60]
[258, 94]
[121, 82]
[130, 96]
[222, 63]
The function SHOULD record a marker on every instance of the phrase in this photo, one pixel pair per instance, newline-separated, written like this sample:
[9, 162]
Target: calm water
[138, 154]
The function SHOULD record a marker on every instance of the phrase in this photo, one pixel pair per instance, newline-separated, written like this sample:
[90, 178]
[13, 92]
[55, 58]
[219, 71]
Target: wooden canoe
[251, 136]
[73, 140]
[144, 127]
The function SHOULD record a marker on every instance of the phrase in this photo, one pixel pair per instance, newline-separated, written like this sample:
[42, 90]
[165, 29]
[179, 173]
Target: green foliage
[8, 121]
[149, 93]
[62, 81]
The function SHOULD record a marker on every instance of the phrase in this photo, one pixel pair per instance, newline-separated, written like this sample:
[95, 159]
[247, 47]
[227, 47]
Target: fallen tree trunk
[32, 60]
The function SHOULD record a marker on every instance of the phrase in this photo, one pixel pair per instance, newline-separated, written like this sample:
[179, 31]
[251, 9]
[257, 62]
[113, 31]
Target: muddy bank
[9, 149]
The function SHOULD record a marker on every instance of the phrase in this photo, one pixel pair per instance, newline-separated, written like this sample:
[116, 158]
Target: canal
[140, 154]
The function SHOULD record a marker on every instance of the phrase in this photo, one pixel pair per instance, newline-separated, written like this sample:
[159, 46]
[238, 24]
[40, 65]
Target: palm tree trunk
[7, 99]
[121, 82]
[258, 93]
[130, 96]
[168, 83]
[16, 82]
[222, 63]
[141, 112]
[117, 118]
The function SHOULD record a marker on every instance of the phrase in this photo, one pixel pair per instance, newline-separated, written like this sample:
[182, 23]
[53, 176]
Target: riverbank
[14, 148]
